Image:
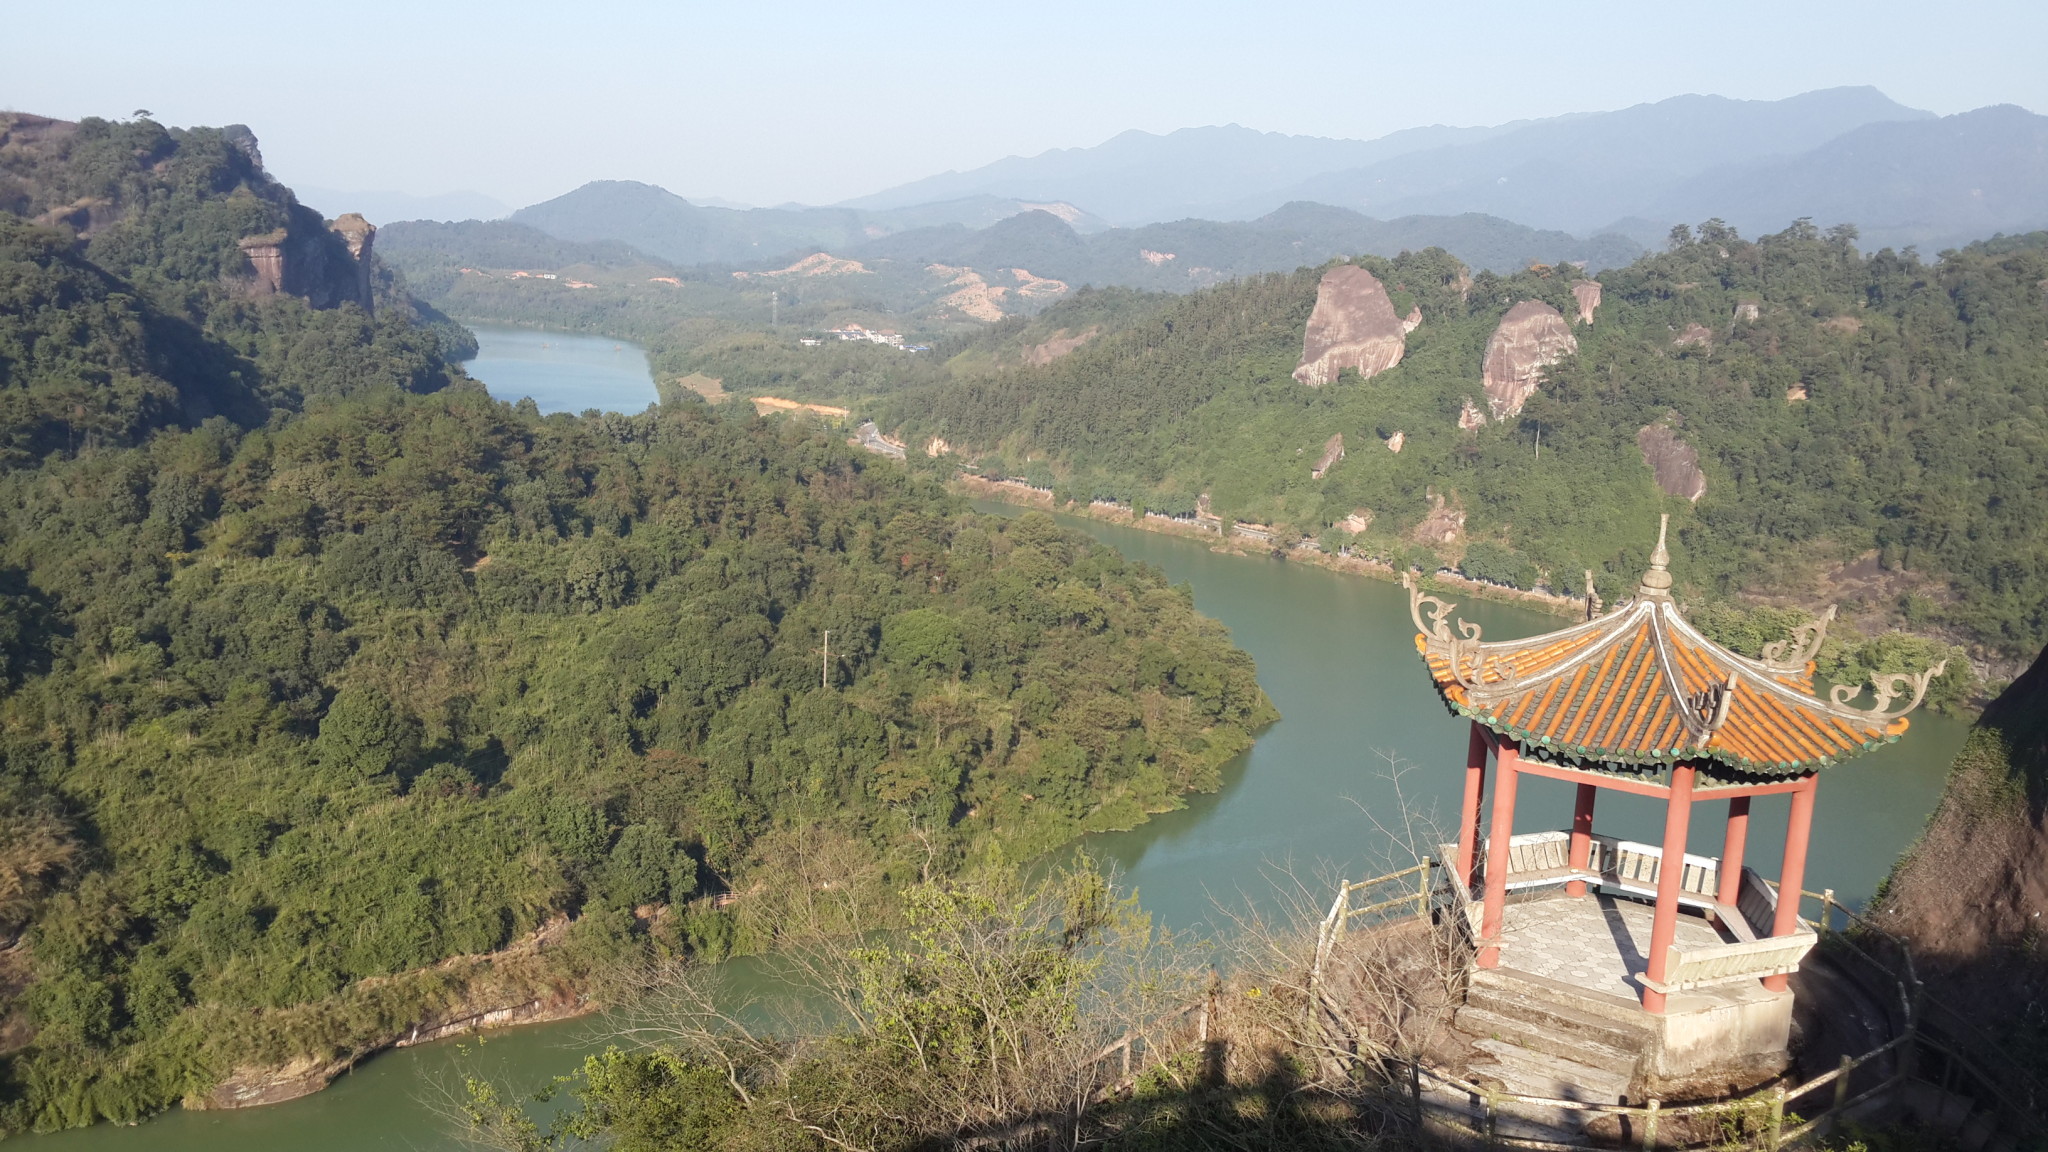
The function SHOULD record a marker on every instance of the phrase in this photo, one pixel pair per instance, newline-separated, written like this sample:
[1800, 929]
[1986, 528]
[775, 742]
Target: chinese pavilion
[1638, 701]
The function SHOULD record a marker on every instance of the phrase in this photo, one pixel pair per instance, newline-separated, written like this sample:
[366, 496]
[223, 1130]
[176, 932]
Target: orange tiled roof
[1641, 686]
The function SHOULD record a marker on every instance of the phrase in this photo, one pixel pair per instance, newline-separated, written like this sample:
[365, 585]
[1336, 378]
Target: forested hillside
[1842, 406]
[337, 698]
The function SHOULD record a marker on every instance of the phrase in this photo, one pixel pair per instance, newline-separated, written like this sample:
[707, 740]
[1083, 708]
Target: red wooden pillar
[1582, 838]
[1468, 811]
[1670, 879]
[1792, 874]
[1505, 766]
[1732, 843]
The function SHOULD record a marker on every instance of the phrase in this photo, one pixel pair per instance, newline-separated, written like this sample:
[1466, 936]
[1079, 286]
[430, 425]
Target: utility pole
[1539, 441]
[774, 309]
[825, 666]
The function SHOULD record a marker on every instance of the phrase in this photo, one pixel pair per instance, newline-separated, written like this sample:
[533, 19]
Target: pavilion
[1638, 701]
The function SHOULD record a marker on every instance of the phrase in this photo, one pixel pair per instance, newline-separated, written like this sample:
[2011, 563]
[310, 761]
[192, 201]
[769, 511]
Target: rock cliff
[1587, 293]
[1470, 418]
[1971, 897]
[1530, 338]
[1353, 326]
[1675, 463]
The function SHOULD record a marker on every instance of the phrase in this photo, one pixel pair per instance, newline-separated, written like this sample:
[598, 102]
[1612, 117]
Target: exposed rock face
[1353, 326]
[1795, 393]
[937, 446]
[1443, 525]
[267, 262]
[1059, 345]
[1692, 334]
[1530, 338]
[1587, 293]
[1675, 463]
[1395, 441]
[359, 235]
[1412, 321]
[1359, 520]
[1333, 451]
[1747, 310]
[1470, 417]
[1971, 895]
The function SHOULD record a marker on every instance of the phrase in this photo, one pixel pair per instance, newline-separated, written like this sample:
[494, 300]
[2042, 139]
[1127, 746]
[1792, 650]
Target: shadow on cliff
[1971, 897]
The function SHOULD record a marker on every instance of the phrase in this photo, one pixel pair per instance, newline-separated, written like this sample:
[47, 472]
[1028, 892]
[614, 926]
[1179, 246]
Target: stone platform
[1562, 1015]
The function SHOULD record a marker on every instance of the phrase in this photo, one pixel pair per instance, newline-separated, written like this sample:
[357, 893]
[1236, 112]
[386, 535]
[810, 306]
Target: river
[1363, 740]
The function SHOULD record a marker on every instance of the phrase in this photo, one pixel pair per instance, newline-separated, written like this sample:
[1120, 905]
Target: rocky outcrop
[1333, 451]
[1358, 521]
[1795, 393]
[1443, 525]
[1059, 345]
[267, 262]
[1470, 417]
[1587, 293]
[358, 236]
[1530, 338]
[1412, 321]
[1971, 896]
[1353, 326]
[1747, 310]
[1693, 335]
[1675, 463]
[1395, 442]
[937, 446]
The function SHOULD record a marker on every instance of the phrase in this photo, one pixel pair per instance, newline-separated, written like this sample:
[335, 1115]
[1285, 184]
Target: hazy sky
[766, 102]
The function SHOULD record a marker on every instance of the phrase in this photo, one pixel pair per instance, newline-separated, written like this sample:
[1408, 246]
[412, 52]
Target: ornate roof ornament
[1640, 685]
[1796, 654]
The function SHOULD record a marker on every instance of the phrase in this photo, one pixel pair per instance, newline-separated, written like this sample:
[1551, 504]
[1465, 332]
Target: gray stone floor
[1596, 942]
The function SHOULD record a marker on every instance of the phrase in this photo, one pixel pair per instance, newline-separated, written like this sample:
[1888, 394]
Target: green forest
[320, 669]
[1913, 462]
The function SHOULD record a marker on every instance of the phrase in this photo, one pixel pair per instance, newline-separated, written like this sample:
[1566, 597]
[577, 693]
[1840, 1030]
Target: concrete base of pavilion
[1561, 1016]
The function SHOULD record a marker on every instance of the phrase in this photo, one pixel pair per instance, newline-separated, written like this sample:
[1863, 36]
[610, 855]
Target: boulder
[1587, 293]
[1675, 463]
[1530, 338]
[1395, 441]
[1470, 417]
[1353, 326]
[1747, 310]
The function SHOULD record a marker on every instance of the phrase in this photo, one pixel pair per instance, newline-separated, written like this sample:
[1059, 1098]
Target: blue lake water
[561, 372]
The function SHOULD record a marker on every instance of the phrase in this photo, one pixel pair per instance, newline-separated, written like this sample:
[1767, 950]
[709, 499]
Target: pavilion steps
[1545, 1038]
[1555, 1019]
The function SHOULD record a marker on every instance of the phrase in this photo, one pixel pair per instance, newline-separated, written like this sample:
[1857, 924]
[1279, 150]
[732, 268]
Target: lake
[1364, 745]
[560, 371]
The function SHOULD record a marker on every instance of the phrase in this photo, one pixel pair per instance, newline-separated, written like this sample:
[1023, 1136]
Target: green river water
[1335, 653]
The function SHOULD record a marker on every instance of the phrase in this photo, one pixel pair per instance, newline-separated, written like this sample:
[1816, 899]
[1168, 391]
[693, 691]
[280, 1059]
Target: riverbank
[531, 981]
[1246, 544]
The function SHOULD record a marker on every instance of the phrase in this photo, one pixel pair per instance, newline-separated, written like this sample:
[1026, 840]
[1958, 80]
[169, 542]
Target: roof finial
[1657, 581]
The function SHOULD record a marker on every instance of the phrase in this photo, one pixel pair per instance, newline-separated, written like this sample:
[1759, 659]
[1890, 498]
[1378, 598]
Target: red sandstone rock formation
[1353, 326]
[266, 262]
[1395, 441]
[1675, 463]
[1412, 321]
[1587, 293]
[1443, 525]
[359, 234]
[1333, 451]
[1470, 417]
[1531, 337]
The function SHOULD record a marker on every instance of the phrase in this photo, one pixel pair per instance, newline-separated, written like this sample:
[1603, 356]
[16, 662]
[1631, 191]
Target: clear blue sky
[766, 102]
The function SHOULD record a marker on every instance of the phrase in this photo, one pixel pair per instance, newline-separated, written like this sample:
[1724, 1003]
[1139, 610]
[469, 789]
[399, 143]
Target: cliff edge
[1972, 896]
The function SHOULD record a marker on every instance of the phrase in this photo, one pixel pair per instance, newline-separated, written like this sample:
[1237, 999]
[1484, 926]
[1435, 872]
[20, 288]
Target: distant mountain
[1585, 172]
[1190, 254]
[663, 224]
[1934, 183]
[1140, 178]
[381, 208]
